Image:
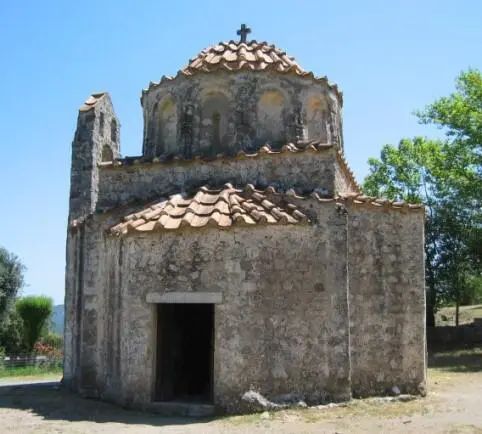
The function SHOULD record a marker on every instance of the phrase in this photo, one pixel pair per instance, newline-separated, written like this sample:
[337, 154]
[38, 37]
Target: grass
[464, 359]
[446, 315]
[30, 372]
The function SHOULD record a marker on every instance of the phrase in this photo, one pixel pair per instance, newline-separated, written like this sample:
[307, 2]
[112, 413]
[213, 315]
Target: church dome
[243, 55]
[239, 96]
[237, 56]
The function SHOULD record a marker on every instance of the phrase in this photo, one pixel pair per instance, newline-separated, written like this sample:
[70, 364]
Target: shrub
[54, 355]
[35, 312]
[54, 340]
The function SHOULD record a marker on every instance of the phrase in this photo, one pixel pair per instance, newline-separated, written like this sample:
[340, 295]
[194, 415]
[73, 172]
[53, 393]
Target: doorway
[185, 351]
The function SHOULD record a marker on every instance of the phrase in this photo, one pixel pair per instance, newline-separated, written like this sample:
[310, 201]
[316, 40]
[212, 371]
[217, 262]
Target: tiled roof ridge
[234, 56]
[220, 207]
[340, 156]
[290, 148]
[92, 101]
[360, 199]
[271, 192]
[355, 198]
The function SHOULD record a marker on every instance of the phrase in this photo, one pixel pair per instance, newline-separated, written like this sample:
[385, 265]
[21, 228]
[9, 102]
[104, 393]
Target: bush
[54, 340]
[54, 356]
[11, 334]
[35, 312]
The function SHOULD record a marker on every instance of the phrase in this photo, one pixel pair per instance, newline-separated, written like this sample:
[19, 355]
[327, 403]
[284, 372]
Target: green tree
[460, 116]
[11, 281]
[409, 172]
[447, 177]
[35, 312]
[11, 334]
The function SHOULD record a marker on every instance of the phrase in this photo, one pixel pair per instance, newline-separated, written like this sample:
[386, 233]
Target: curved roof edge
[235, 57]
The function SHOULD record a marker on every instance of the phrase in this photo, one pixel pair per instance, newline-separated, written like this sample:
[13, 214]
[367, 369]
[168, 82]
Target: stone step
[186, 409]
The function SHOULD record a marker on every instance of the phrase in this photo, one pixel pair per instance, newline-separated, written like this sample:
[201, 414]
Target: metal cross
[243, 32]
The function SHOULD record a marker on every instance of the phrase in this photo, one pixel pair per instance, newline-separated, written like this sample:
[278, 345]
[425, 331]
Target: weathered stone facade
[314, 289]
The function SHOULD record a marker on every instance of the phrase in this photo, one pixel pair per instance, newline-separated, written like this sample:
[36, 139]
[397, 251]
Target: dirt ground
[454, 405]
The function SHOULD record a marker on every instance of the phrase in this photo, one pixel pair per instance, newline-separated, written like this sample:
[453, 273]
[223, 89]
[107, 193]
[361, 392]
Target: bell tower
[96, 140]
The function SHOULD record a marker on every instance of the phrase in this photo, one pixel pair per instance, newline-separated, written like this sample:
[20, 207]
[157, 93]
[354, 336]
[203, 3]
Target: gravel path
[454, 405]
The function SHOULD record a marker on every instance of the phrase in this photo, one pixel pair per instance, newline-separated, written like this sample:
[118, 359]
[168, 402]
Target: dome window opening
[216, 128]
[113, 131]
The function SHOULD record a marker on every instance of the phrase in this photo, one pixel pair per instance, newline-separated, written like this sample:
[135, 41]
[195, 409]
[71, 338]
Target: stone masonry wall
[306, 171]
[282, 326]
[253, 109]
[96, 138]
[387, 301]
[92, 307]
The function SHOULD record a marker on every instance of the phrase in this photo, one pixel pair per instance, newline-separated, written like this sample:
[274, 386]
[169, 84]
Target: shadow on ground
[53, 402]
[465, 358]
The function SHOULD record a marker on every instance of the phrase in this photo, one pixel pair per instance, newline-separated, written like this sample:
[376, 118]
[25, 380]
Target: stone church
[236, 253]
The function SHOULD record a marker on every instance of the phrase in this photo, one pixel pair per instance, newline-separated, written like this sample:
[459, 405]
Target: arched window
[101, 124]
[107, 154]
[317, 118]
[167, 127]
[113, 130]
[270, 129]
[214, 123]
[216, 131]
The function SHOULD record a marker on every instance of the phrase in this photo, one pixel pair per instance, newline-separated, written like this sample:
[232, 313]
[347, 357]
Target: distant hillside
[58, 319]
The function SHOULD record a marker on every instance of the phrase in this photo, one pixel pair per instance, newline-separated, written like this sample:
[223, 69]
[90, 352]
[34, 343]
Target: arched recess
[317, 118]
[270, 122]
[214, 123]
[107, 154]
[167, 133]
[113, 130]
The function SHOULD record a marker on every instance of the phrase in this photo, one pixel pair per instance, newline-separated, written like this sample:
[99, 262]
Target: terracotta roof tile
[248, 56]
[290, 148]
[349, 173]
[175, 213]
[219, 208]
[359, 199]
[92, 101]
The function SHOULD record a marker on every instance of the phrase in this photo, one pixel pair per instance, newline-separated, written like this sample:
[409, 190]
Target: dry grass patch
[446, 315]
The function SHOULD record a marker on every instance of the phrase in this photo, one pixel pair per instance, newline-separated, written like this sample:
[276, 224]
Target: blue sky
[388, 57]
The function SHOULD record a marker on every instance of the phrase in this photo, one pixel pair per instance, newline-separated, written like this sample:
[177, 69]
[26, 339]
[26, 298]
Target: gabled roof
[220, 208]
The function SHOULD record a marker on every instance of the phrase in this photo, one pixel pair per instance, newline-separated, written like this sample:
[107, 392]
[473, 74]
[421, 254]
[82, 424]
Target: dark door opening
[185, 352]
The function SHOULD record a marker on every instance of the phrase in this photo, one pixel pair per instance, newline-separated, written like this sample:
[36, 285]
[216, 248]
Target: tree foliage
[35, 312]
[447, 177]
[11, 281]
[11, 334]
